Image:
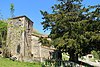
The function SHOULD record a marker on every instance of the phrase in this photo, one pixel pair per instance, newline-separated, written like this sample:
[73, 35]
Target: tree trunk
[73, 56]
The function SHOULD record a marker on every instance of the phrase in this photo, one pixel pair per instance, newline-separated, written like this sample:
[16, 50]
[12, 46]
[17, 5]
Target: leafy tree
[3, 33]
[12, 9]
[74, 28]
[45, 41]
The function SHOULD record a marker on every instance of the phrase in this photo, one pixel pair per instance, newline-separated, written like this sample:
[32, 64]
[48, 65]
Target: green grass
[5, 62]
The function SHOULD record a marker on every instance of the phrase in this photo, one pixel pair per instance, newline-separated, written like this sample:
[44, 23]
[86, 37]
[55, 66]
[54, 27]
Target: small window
[31, 55]
[18, 49]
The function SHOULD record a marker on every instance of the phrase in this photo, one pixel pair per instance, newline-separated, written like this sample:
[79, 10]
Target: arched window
[18, 49]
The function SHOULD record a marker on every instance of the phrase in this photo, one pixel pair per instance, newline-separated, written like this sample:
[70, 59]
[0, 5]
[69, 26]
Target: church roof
[39, 35]
[21, 17]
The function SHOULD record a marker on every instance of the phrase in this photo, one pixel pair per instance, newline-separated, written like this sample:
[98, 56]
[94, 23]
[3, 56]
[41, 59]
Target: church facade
[22, 43]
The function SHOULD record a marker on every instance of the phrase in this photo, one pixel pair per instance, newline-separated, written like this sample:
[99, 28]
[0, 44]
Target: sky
[31, 8]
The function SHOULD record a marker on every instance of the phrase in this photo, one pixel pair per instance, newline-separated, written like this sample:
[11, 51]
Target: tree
[45, 41]
[3, 34]
[74, 28]
[12, 10]
[3, 30]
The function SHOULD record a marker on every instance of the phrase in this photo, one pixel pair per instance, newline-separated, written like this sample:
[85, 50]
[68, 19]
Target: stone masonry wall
[40, 53]
[19, 37]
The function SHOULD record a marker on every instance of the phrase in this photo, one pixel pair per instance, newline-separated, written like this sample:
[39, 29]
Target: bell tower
[19, 37]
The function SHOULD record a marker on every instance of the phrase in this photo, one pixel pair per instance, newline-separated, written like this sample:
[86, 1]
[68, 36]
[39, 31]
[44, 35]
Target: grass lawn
[5, 62]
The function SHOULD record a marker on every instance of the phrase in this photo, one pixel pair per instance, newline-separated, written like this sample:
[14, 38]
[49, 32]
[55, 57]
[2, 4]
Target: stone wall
[19, 37]
[40, 53]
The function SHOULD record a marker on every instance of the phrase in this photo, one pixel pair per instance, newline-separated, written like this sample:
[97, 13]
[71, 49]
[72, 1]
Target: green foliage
[96, 54]
[3, 26]
[74, 28]
[12, 9]
[3, 32]
[45, 41]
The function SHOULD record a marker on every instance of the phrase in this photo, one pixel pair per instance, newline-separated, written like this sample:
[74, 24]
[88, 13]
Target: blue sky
[31, 8]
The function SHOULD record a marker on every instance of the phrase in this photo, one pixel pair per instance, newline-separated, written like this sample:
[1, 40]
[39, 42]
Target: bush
[96, 54]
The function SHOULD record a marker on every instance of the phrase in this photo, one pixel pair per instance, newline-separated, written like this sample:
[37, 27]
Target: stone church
[22, 41]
